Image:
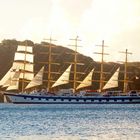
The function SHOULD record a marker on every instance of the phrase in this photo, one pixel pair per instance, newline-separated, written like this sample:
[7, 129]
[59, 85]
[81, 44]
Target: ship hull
[38, 99]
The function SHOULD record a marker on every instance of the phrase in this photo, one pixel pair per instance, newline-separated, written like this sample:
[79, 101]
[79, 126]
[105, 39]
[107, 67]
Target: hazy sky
[115, 21]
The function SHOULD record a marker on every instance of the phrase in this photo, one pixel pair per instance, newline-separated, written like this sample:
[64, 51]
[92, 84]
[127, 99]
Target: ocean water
[69, 122]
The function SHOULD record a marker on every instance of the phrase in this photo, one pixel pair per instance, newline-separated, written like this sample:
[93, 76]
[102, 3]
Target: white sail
[22, 57]
[87, 81]
[22, 68]
[6, 77]
[14, 83]
[113, 81]
[25, 49]
[27, 76]
[37, 80]
[64, 78]
[26, 68]
[7, 83]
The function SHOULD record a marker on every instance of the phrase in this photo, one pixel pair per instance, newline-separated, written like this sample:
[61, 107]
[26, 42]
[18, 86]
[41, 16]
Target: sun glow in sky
[117, 22]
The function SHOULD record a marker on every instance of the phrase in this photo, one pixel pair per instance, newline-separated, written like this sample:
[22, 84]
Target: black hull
[38, 99]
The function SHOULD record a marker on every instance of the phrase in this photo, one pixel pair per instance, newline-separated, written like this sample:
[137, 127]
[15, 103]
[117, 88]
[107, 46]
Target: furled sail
[87, 81]
[113, 81]
[64, 78]
[37, 80]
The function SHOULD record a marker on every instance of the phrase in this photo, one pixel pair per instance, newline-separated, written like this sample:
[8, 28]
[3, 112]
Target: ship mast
[24, 63]
[75, 63]
[49, 62]
[101, 81]
[125, 71]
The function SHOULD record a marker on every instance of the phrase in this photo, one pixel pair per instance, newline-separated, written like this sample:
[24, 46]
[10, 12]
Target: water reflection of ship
[72, 95]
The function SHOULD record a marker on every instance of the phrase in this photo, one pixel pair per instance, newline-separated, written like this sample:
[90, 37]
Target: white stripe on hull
[71, 100]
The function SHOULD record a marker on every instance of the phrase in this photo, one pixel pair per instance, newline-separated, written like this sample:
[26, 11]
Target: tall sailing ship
[73, 95]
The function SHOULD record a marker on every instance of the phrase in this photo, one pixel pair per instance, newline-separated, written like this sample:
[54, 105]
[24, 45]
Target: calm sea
[69, 122]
